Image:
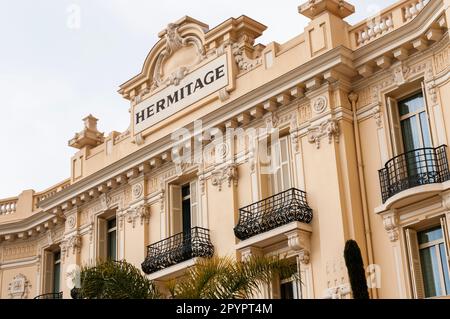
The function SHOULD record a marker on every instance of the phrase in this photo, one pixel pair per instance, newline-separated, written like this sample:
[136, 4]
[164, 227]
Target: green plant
[225, 278]
[115, 280]
[355, 268]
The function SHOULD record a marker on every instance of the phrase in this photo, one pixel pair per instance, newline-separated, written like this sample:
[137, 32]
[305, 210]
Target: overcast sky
[53, 73]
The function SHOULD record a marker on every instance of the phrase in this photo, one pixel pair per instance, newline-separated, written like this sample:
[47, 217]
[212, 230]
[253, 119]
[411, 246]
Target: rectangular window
[408, 123]
[281, 179]
[57, 271]
[183, 207]
[414, 123]
[111, 241]
[289, 289]
[428, 256]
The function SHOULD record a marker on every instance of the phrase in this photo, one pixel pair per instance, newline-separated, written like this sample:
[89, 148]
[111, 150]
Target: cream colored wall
[221, 212]
[330, 171]
[9, 273]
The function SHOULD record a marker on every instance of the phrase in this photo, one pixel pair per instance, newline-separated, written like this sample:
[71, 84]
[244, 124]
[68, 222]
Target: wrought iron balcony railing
[272, 212]
[414, 168]
[178, 248]
[52, 295]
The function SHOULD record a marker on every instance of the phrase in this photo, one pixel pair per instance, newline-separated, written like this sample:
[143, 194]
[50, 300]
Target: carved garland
[228, 173]
[328, 128]
[141, 212]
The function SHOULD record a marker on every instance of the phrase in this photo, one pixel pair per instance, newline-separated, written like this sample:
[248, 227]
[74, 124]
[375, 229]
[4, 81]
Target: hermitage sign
[195, 86]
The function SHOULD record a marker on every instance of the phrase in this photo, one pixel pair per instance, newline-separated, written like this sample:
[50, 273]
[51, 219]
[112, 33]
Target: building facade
[239, 149]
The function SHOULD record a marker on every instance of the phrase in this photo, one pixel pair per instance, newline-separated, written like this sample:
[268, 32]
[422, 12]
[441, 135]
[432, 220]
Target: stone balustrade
[413, 8]
[8, 206]
[373, 29]
[385, 21]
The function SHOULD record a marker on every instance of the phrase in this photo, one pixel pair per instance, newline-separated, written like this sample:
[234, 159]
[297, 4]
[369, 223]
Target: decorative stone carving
[71, 221]
[399, 73]
[432, 92]
[390, 222]
[141, 212]
[201, 181]
[299, 241]
[19, 251]
[320, 104]
[329, 128]
[228, 173]
[250, 252]
[242, 61]
[376, 113]
[138, 190]
[19, 287]
[105, 201]
[295, 135]
[342, 291]
[173, 42]
[446, 200]
[304, 256]
[73, 245]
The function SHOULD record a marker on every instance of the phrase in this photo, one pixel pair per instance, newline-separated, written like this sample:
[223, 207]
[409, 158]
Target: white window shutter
[394, 126]
[446, 241]
[194, 204]
[414, 264]
[102, 239]
[175, 202]
[285, 170]
[48, 275]
[275, 162]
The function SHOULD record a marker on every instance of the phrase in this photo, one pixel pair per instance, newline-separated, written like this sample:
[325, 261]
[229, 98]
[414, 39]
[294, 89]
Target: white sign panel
[208, 79]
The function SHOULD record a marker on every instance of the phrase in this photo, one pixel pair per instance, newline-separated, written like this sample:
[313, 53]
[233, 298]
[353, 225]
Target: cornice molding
[340, 56]
[404, 34]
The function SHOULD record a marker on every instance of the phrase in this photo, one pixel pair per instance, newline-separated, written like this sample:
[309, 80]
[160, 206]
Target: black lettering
[150, 110]
[209, 78]
[198, 85]
[160, 105]
[220, 72]
[189, 87]
[172, 98]
[140, 116]
[181, 93]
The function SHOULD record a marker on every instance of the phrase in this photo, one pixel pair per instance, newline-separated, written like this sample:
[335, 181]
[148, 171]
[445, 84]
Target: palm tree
[114, 280]
[215, 278]
[225, 278]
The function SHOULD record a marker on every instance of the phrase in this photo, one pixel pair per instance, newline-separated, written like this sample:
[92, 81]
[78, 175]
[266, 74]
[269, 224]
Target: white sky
[51, 75]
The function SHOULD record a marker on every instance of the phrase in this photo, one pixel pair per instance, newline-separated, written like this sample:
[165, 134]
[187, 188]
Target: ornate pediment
[187, 43]
[191, 53]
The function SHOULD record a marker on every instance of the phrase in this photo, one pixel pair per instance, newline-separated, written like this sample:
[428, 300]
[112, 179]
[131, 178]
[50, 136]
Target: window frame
[418, 284]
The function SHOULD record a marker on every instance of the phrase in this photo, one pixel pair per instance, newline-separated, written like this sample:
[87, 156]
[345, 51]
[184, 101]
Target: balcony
[270, 213]
[415, 168]
[53, 295]
[178, 248]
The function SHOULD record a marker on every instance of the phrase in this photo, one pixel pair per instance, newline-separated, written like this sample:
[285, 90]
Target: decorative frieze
[304, 113]
[442, 60]
[328, 128]
[19, 251]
